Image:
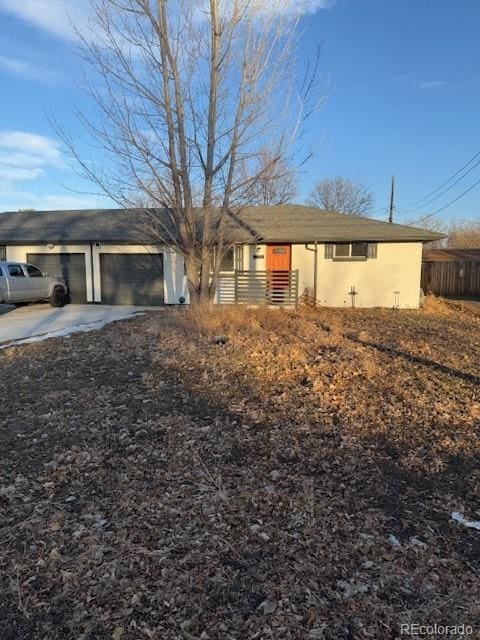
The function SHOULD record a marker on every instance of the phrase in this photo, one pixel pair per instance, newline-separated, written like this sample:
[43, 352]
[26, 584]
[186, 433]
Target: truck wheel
[57, 299]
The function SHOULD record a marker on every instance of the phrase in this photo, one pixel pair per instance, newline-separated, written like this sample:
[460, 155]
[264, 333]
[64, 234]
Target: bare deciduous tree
[342, 195]
[433, 224]
[461, 234]
[464, 235]
[276, 183]
[187, 96]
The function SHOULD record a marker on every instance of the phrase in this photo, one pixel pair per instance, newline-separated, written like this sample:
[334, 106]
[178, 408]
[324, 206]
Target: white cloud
[55, 16]
[434, 84]
[28, 157]
[411, 80]
[28, 71]
[24, 157]
[14, 200]
[62, 201]
[20, 149]
[49, 15]
[288, 7]
[17, 174]
[406, 77]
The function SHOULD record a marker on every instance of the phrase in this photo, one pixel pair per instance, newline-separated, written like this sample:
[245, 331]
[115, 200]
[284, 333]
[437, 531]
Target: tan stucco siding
[259, 263]
[304, 261]
[397, 268]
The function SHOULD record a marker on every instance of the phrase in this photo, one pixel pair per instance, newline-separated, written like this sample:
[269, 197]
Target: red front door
[278, 257]
[278, 263]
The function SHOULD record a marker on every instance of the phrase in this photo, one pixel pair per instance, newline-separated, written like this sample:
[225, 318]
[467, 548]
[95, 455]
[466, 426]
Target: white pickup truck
[21, 283]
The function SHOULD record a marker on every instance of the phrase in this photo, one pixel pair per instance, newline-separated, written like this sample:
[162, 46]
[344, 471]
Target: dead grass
[437, 305]
[156, 484]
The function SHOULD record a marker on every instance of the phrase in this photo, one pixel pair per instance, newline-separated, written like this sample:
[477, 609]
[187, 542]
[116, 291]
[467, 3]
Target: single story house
[107, 256]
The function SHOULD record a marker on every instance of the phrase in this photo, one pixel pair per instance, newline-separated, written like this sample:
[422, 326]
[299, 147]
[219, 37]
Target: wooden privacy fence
[279, 288]
[451, 278]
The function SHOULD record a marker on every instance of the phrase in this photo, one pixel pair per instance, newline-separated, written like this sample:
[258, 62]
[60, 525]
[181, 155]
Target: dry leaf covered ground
[296, 482]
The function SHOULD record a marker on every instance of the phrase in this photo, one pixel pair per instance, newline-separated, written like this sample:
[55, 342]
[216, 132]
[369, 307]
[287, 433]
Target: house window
[342, 250]
[227, 263]
[350, 250]
[3, 253]
[359, 249]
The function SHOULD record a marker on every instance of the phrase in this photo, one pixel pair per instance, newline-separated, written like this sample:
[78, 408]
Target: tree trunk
[192, 272]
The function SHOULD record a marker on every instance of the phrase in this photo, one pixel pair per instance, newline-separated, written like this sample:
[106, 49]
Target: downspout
[92, 275]
[315, 270]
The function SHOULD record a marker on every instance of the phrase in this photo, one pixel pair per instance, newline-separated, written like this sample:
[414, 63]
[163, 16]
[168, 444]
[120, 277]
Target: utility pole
[392, 197]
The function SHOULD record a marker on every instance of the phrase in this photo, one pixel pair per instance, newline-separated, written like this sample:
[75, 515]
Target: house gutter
[315, 269]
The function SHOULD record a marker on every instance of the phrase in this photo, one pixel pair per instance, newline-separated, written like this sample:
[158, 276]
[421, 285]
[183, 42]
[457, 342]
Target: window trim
[351, 259]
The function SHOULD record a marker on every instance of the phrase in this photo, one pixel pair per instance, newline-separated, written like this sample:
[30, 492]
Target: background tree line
[461, 234]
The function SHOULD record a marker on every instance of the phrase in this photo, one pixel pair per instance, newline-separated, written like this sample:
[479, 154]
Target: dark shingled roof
[450, 255]
[296, 223]
[287, 223]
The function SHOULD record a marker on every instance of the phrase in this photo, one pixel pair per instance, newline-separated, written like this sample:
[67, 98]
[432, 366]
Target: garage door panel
[132, 278]
[69, 266]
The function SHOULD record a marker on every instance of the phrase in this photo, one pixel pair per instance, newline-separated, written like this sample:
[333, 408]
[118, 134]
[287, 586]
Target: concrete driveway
[37, 322]
[473, 301]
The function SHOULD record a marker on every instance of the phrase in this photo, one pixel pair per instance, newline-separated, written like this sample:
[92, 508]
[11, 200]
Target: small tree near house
[196, 107]
[342, 195]
[276, 183]
[464, 235]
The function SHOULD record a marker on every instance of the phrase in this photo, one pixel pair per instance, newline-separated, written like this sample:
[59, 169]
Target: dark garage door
[132, 278]
[70, 266]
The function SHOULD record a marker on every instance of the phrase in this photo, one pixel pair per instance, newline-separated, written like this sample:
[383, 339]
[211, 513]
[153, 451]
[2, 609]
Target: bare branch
[195, 109]
[342, 195]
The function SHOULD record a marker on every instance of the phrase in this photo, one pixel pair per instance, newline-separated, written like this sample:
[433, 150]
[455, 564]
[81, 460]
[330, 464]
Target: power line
[403, 210]
[413, 204]
[430, 215]
[380, 210]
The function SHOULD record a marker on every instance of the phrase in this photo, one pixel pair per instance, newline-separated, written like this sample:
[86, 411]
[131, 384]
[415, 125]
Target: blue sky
[402, 79]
